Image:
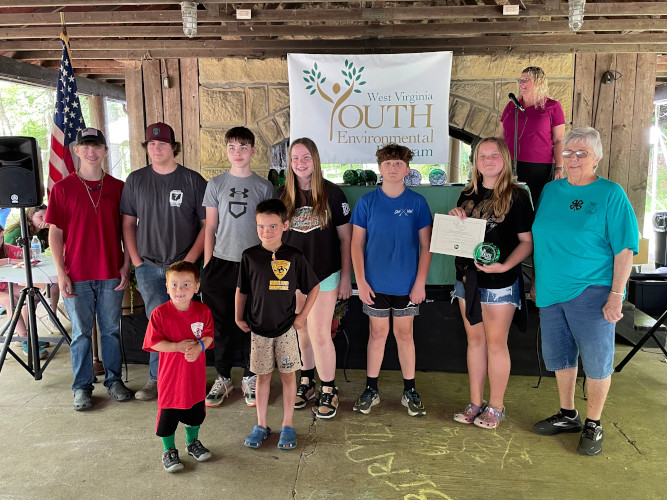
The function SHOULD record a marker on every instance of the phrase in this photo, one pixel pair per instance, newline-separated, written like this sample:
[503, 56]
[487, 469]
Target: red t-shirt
[180, 384]
[92, 241]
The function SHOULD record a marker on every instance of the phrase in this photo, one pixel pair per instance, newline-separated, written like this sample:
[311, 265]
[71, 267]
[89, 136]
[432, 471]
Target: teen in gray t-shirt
[236, 199]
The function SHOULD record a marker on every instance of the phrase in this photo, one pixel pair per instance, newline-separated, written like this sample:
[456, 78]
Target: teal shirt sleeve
[622, 229]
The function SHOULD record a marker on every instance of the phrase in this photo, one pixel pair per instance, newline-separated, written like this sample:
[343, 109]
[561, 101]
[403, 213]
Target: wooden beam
[603, 111]
[362, 47]
[341, 15]
[17, 71]
[152, 78]
[171, 100]
[190, 106]
[347, 30]
[135, 114]
[99, 121]
[641, 127]
[582, 105]
[123, 46]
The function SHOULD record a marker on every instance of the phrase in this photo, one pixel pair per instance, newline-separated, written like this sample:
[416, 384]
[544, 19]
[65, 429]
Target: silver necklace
[89, 189]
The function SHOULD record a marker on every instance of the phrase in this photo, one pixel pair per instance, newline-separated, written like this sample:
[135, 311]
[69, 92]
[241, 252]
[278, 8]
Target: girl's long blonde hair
[31, 227]
[291, 193]
[501, 201]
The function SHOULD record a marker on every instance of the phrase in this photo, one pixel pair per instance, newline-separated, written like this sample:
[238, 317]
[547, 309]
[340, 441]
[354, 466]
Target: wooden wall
[149, 102]
[621, 111]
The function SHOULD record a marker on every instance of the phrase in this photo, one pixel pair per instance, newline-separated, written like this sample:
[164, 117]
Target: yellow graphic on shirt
[280, 268]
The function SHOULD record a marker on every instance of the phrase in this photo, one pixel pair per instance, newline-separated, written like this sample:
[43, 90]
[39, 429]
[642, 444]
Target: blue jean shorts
[507, 295]
[578, 328]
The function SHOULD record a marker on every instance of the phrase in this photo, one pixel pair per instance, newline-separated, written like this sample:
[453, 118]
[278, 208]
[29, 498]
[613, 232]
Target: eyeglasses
[524, 80]
[580, 154]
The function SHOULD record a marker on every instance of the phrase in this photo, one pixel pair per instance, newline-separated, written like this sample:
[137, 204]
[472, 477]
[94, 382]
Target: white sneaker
[248, 385]
[221, 389]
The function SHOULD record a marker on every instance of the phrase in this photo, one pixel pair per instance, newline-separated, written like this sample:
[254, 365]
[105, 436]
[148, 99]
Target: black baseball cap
[90, 135]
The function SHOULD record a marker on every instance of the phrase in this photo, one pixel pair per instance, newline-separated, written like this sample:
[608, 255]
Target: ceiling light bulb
[576, 19]
[189, 14]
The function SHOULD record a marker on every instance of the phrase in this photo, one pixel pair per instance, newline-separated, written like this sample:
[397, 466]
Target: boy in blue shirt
[391, 234]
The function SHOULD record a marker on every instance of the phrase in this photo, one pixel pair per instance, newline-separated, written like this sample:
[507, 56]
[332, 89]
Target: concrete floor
[51, 451]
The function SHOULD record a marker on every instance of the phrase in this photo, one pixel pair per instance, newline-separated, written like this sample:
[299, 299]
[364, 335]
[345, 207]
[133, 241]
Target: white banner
[352, 105]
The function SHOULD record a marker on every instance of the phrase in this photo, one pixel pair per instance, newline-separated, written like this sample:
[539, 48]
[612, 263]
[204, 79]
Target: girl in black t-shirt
[320, 227]
[489, 294]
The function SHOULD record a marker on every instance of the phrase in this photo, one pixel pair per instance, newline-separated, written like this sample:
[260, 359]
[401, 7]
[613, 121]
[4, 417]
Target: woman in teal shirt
[586, 225]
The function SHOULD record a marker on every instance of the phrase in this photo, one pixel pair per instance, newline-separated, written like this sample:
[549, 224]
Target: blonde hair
[541, 85]
[317, 185]
[30, 212]
[501, 201]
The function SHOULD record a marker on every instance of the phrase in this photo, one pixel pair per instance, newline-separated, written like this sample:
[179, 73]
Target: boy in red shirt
[180, 330]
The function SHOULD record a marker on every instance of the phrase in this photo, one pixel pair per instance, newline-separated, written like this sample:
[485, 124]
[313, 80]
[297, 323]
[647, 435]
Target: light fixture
[189, 14]
[576, 19]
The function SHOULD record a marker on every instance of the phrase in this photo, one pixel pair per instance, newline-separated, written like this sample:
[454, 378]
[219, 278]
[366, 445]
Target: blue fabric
[577, 327]
[392, 229]
[4, 213]
[95, 297]
[576, 233]
[152, 284]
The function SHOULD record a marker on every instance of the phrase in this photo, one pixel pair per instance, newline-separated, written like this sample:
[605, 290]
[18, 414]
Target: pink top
[13, 252]
[535, 129]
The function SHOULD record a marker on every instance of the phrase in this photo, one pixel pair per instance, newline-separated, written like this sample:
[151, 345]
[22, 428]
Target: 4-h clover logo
[577, 204]
[314, 80]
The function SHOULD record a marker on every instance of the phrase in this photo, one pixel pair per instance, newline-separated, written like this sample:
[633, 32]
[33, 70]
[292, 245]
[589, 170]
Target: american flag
[67, 120]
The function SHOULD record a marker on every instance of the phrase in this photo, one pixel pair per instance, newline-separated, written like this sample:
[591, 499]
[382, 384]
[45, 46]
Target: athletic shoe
[590, 442]
[43, 353]
[558, 423]
[248, 385]
[171, 461]
[328, 404]
[221, 389]
[413, 403]
[369, 398]
[148, 392]
[305, 392]
[119, 392]
[199, 451]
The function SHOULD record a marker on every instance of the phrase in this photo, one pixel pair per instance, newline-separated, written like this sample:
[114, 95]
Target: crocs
[83, 399]
[489, 418]
[470, 413]
[257, 437]
[287, 438]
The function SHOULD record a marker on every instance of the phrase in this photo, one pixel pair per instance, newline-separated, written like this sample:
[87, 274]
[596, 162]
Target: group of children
[392, 228]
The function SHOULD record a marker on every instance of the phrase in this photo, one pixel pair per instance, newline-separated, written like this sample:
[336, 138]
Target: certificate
[453, 236]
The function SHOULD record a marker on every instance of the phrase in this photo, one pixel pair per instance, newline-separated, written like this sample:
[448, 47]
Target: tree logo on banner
[314, 79]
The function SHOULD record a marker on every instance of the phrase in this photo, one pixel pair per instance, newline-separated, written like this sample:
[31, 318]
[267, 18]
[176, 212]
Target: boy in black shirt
[269, 276]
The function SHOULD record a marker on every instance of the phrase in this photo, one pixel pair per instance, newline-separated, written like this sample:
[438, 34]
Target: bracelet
[615, 292]
[203, 347]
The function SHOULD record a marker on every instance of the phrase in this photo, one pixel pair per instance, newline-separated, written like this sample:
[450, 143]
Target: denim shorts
[330, 282]
[578, 328]
[508, 295]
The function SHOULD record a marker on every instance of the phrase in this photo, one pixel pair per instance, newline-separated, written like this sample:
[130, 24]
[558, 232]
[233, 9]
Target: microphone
[516, 101]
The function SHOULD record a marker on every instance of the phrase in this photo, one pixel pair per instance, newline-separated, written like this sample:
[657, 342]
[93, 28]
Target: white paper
[453, 236]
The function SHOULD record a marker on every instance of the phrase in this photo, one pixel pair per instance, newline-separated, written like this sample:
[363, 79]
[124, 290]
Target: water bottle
[36, 248]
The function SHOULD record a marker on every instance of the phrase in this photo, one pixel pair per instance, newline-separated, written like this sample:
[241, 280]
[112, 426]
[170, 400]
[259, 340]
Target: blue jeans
[578, 328]
[96, 297]
[152, 284]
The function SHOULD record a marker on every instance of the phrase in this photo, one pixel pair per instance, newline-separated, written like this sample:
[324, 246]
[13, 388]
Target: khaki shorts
[266, 353]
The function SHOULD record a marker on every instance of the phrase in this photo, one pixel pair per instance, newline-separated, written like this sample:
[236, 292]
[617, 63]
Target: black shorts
[168, 418]
[391, 305]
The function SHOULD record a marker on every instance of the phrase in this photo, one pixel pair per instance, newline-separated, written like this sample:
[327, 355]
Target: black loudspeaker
[20, 173]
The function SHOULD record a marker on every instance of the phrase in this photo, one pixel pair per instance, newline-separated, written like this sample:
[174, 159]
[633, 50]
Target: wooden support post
[98, 115]
[454, 153]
